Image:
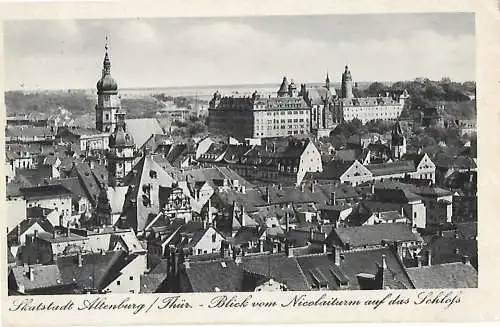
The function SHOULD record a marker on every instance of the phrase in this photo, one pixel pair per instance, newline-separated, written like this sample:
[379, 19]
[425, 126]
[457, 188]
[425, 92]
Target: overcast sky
[194, 51]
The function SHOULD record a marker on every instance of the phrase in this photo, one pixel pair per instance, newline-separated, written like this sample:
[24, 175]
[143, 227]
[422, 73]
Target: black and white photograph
[278, 153]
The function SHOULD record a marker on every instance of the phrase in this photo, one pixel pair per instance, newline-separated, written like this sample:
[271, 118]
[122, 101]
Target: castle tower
[108, 101]
[398, 141]
[404, 97]
[283, 90]
[292, 89]
[121, 152]
[346, 84]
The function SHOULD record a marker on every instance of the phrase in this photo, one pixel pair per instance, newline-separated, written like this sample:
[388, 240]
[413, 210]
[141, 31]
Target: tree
[375, 89]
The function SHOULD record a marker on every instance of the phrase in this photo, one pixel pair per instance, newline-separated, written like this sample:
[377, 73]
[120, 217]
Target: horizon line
[218, 85]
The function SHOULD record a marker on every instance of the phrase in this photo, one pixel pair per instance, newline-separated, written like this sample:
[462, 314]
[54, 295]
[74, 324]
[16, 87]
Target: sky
[162, 52]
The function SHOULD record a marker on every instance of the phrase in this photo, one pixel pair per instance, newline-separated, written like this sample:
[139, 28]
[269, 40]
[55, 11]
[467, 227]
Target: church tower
[121, 152]
[327, 82]
[398, 142]
[108, 102]
[346, 91]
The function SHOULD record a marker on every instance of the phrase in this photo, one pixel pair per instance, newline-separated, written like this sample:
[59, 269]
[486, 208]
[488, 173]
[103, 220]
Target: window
[131, 278]
[214, 237]
[118, 282]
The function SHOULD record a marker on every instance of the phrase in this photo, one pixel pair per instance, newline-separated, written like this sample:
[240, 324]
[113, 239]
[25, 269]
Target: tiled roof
[391, 168]
[448, 275]
[95, 271]
[451, 249]
[279, 267]
[322, 268]
[333, 170]
[206, 276]
[45, 191]
[141, 129]
[369, 101]
[44, 276]
[34, 177]
[369, 261]
[367, 235]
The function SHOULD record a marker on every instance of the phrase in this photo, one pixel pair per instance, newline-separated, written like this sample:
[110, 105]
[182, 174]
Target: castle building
[258, 116]
[108, 101]
[346, 88]
[322, 101]
[388, 107]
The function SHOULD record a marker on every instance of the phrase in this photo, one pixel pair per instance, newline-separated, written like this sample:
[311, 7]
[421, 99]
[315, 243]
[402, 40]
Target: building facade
[257, 116]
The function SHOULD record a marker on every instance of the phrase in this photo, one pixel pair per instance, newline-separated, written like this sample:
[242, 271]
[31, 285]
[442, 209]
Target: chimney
[68, 229]
[402, 212]
[336, 253]
[324, 248]
[334, 198]
[54, 234]
[243, 189]
[261, 246]
[268, 200]
[457, 234]
[372, 185]
[312, 187]
[209, 211]
[302, 187]
[287, 222]
[384, 263]
[80, 260]
[187, 264]
[419, 260]
[429, 258]
[288, 250]
[466, 259]
[311, 233]
[30, 273]
[242, 212]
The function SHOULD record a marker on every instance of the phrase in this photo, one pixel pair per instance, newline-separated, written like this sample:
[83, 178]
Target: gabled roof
[447, 275]
[141, 129]
[333, 170]
[87, 179]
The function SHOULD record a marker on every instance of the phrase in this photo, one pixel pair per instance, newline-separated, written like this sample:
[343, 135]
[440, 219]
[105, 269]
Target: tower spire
[327, 81]
[106, 63]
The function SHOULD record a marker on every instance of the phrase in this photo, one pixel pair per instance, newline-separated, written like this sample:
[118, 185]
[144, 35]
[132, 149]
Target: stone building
[258, 116]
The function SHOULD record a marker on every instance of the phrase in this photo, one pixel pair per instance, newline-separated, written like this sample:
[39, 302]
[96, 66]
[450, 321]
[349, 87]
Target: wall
[310, 161]
[416, 212]
[129, 280]
[207, 244]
